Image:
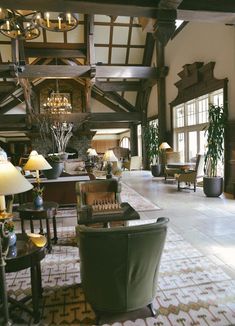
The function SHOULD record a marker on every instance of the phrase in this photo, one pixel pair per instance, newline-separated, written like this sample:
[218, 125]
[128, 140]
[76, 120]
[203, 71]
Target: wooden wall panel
[102, 145]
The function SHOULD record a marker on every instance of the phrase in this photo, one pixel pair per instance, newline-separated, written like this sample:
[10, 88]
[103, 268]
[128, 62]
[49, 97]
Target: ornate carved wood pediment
[196, 80]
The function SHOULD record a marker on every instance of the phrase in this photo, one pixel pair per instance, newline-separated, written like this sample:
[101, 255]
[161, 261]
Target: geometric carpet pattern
[192, 289]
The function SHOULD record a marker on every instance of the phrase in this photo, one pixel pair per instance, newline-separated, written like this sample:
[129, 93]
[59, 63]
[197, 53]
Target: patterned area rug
[192, 290]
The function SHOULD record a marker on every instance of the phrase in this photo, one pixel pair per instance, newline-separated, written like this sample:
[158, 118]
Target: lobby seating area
[207, 242]
[117, 163]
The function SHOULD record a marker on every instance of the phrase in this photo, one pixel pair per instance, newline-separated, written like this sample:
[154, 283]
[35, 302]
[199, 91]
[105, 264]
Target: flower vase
[38, 201]
[12, 238]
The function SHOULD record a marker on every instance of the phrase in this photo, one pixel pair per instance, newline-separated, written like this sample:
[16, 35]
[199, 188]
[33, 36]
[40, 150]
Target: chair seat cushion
[92, 197]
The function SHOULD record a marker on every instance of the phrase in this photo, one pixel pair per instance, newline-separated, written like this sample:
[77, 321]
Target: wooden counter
[61, 190]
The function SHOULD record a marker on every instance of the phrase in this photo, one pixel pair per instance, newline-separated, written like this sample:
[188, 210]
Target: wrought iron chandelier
[14, 24]
[27, 24]
[58, 103]
[54, 22]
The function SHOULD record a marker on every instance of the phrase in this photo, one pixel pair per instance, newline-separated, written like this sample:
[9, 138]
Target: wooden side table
[48, 211]
[24, 254]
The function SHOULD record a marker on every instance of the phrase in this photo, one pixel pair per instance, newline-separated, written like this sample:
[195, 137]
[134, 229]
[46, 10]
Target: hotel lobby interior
[106, 92]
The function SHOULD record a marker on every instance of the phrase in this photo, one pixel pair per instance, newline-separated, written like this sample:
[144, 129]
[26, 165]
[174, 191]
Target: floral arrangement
[9, 226]
[38, 191]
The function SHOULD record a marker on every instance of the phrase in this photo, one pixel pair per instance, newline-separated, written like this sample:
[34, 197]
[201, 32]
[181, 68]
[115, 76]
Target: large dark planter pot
[156, 170]
[55, 172]
[213, 186]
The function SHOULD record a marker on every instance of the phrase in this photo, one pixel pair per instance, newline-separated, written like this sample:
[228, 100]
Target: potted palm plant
[212, 183]
[151, 137]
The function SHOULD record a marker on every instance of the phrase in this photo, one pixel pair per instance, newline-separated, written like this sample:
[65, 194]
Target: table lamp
[109, 157]
[37, 162]
[11, 182]
[163, 147]
[91, 154]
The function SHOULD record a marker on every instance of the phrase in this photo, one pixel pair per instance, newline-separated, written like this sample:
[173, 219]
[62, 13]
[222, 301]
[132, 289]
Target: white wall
[203, 42]
[97, 106]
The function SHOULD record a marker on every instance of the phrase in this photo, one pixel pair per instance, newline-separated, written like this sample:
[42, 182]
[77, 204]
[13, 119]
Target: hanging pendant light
[54, 22]
[26, 24]
[58, 103]
[15, 24]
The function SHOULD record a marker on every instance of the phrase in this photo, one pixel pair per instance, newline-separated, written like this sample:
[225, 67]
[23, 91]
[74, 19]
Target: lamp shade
[11, 180]
[109, 156]
[92, 152]
[36, 162]
[164, 145]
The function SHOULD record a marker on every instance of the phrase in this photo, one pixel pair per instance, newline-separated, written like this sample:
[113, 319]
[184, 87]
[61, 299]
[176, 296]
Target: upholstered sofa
[74, 167]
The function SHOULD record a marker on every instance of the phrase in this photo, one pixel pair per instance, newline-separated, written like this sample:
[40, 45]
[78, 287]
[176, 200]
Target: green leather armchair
[119, 266]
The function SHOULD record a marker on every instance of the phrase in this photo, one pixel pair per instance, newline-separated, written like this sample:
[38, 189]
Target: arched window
[197, 88]
[125, 142]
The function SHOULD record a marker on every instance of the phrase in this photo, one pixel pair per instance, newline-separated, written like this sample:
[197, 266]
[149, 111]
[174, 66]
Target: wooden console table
[61, 190]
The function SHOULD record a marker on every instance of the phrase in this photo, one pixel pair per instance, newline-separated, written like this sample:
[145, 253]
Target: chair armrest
[84, 214]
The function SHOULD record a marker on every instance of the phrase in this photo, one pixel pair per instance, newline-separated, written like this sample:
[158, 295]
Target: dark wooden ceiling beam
[64, 71]
[122, 101]
[106, 102]
[137, 8]
[116, 117]
[106, 125]
[54, 53]
[54, 45]
[169, 4]
[12, 122]
[116, 86]
[11, 104]
[17, 122]
[6, 86]
[212, 5]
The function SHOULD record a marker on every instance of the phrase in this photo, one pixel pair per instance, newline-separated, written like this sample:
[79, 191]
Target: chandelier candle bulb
[69, 18]
[59, 22]
[47, 17]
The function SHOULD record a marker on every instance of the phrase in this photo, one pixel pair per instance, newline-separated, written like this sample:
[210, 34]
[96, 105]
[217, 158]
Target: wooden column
[90, 59]
[134, 139]
[164, 29]
[161, 92]
[144, 98]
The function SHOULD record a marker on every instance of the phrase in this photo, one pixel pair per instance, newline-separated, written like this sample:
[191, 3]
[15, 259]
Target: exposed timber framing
[137, 8]
[52, 71]
[116, 86]
[17, 122]
[53, 53]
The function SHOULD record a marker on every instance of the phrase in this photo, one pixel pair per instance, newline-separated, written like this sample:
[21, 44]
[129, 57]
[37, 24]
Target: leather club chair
[95, 190]
[119, 266]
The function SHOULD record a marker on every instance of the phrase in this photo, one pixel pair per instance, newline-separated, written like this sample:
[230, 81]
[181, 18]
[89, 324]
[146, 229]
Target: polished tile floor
[207, 223]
